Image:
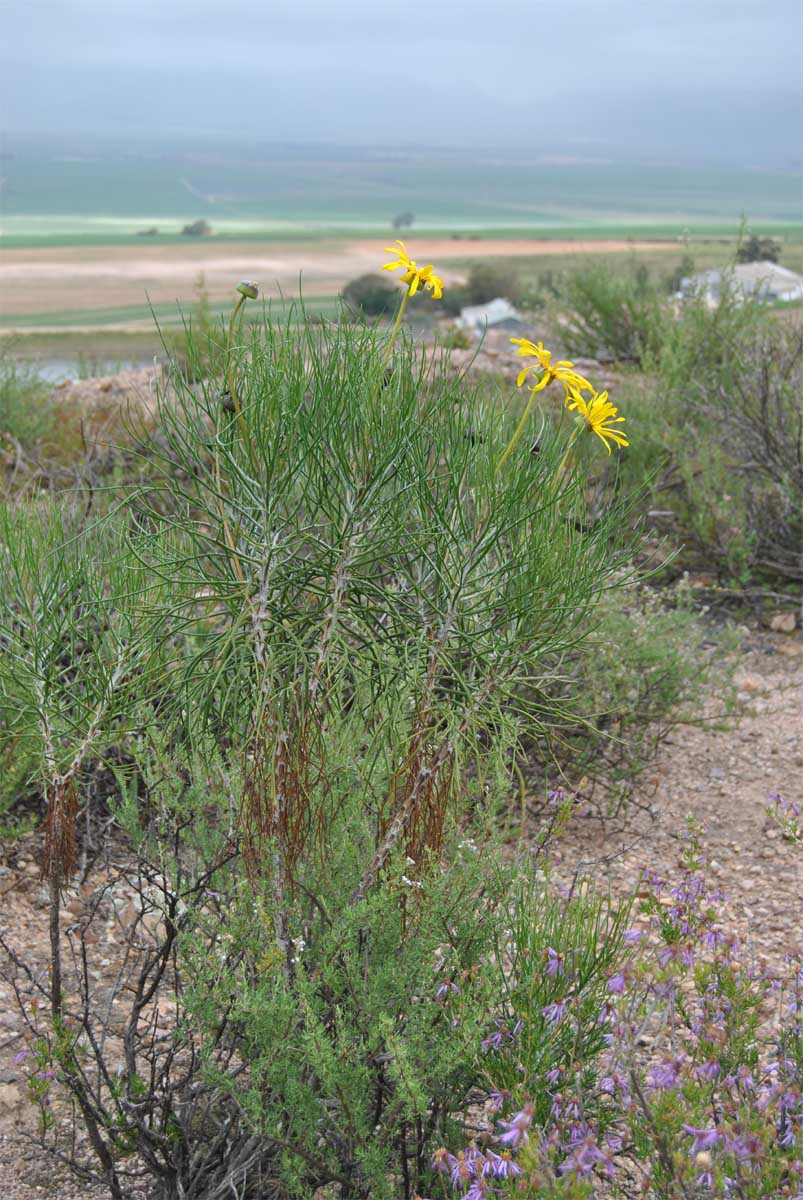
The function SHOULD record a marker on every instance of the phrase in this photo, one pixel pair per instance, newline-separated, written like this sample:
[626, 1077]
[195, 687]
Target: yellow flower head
[563, 371]
[600, 417]
[415, 276]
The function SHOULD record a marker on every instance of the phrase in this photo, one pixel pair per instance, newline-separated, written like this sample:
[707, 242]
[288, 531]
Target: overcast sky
[668, 79]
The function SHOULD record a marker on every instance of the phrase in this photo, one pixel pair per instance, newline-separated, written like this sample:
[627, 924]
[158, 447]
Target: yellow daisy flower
[415, 276]
[600, 417]
[563, 371]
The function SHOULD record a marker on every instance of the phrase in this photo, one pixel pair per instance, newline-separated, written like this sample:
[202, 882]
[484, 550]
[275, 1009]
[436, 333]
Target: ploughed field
[115, 285]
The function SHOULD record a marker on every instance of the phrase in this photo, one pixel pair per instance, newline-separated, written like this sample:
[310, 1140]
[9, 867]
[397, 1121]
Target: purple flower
[745, 1078]
[556, 1011]
[477, 1191]
[442, 1160]
[583, 1158]
[704, 1139]
[554, 964]
[664, 1076]
[617, 984]
[21, 1057]
[495, 1041]
[516, 1128]
[786, 805]
[500, 1166]
[744, 1147]
[463, 1168]
[445, 989]
[707, 1072]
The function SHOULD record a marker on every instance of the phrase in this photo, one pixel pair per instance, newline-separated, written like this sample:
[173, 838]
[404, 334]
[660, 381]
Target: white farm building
[764, 281]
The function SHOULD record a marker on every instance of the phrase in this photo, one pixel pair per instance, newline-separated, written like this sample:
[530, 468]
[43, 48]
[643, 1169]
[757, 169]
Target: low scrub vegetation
[308, 641]
[716, 415]
[617, 315]
[27, 415]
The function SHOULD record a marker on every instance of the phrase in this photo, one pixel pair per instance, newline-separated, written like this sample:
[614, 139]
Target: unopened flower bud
[248, 288]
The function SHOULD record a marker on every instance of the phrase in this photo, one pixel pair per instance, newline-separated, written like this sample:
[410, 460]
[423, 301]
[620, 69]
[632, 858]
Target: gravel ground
[722, 777]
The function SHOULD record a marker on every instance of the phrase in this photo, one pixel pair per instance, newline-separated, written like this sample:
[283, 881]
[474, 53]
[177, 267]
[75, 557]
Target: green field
[52, 195]
[162, 314]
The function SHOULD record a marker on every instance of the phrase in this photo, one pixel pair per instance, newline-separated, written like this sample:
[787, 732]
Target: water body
[57, 370]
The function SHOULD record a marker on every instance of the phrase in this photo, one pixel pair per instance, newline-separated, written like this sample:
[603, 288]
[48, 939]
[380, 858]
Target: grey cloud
[693, 75]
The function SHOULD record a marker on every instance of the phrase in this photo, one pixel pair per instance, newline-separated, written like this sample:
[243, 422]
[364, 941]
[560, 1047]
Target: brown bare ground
[73, 278]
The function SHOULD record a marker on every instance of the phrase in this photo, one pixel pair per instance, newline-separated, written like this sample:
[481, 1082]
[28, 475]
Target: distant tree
[758, 249]
[683, 270]
[151, 231]
[404, 220]
[371, 295]
[197, 229]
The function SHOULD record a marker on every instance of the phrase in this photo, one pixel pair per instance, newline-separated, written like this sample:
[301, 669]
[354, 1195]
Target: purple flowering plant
[555, 964]
[786, 817]
[695, 1088]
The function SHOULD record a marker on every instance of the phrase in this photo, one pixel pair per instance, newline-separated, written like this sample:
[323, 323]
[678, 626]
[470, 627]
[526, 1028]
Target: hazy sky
[668, 79]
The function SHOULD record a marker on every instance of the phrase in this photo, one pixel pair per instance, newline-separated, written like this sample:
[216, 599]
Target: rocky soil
[723, 778]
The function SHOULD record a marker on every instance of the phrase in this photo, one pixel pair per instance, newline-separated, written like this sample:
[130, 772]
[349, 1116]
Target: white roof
[750, 277]
[477, 315]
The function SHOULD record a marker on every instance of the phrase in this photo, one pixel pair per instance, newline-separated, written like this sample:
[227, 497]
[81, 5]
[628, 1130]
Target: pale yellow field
[82, 279]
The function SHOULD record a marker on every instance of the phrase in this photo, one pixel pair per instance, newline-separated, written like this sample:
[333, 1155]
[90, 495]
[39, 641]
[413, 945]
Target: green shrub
[613, 314]
[373, 295]
[74, 643]
[718, 423]
[341, 618]
[758, 249]
[18, 768]
[27, 411]
[486, 281]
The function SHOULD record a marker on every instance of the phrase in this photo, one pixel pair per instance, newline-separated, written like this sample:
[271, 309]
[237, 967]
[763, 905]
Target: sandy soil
[72, 278]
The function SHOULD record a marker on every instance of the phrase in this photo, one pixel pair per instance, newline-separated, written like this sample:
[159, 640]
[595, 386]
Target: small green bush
[717, 423]
[758, 249]
[372, 295]
[486, 281]
[614, 314]
[27, 412]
